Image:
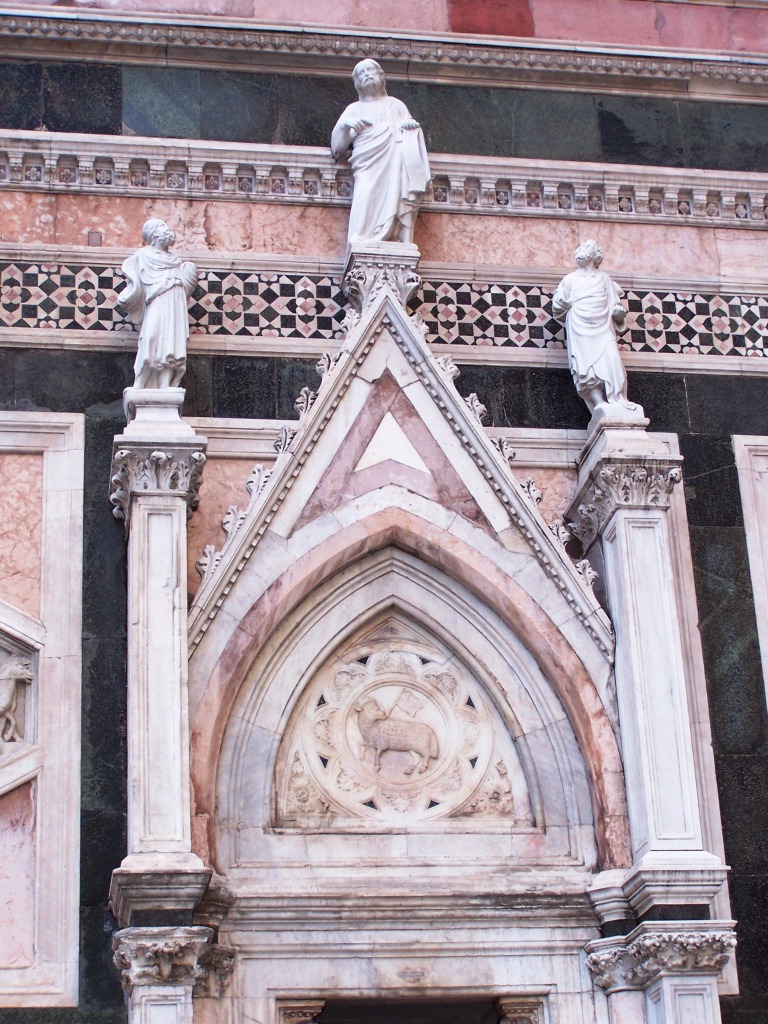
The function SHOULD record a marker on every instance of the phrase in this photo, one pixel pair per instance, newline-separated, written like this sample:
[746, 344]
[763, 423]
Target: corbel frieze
[645, 483]
[161, 956]
[636, 963]
[145, 468]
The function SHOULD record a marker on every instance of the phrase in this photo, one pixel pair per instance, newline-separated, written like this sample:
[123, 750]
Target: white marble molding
[752, 467]
[52, 644]
[67, 163]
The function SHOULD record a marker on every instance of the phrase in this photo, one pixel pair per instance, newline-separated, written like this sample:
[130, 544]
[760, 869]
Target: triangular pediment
[388, 429]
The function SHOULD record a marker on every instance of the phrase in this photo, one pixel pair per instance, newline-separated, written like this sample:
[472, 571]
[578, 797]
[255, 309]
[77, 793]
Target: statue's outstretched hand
[619, 313]
[409, 124]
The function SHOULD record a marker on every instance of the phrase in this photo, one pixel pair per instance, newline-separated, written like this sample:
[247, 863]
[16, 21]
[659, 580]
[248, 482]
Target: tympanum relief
[397, 737]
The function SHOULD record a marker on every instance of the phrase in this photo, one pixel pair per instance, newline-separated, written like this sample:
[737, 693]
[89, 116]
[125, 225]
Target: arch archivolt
[561, 777]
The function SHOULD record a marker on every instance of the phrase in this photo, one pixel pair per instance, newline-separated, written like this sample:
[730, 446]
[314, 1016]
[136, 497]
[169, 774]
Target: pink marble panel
[223, 485]
[312, 230]
[557, 487]
[630, 249]
[17, 876]
[605, 21]
[748, 29]
[27, 218]
[21, 507]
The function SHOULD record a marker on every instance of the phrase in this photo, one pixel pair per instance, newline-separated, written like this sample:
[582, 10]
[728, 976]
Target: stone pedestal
[156, 472]
[625, 481]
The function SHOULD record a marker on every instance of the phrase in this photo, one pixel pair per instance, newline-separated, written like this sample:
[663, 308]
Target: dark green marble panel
[163, 102]
[21, 96]
[83, 98]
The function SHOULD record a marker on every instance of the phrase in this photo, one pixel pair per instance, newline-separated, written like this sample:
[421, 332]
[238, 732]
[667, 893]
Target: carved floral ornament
[396, 737]
[146, 468]
[646, 484]
[173, 956]
[637, 963]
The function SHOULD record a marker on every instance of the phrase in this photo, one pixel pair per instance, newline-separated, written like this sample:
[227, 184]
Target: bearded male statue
[388, 159]
[155, 299]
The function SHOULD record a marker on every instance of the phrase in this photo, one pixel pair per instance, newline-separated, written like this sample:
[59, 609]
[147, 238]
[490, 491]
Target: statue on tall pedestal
[388, 159]
[155, 299]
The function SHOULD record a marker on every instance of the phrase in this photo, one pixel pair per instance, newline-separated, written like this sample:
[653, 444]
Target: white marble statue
[155, 299]
[589, 303]
[388, 159]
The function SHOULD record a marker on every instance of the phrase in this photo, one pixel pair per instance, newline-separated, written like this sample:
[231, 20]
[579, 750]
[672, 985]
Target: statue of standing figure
[155, 299]
[589, 303]
[388, 159]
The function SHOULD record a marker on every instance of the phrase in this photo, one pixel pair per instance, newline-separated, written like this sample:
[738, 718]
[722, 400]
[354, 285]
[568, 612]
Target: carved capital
[643, 484]
[216, 964]
[144, 468]
[519, 1010]
[370, 271]
[634, 962]
[300, 1011]
[160, 956]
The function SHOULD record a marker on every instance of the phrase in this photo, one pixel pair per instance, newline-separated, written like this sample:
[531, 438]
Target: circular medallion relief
[396, 736]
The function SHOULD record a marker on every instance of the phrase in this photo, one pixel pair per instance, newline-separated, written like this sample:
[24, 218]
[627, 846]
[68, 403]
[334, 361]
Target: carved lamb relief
[15, 672]
[395, 736]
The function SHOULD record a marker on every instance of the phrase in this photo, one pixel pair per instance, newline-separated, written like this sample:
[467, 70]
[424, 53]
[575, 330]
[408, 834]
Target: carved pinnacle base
[374, 267]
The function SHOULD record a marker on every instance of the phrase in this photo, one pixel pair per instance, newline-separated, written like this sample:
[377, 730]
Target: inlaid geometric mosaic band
[302, 306]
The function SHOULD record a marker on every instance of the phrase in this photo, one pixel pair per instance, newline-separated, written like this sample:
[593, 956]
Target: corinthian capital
[636, 960]
[160, 956]
[146, 468]
[621, 483]
[372, 269]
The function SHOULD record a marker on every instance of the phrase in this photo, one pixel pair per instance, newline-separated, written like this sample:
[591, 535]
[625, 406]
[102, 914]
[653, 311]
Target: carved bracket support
[300, 1011]
[216, 963]
[634, 962]
[520, 1010]
[145, 468]
[161, 956]
[642, 483]
[370, 271]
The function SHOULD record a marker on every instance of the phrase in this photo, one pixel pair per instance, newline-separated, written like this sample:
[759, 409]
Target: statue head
[369, 78]
[589, 252]
[156, 232]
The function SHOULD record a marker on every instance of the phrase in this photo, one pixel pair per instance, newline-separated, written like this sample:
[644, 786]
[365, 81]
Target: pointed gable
[388, 430]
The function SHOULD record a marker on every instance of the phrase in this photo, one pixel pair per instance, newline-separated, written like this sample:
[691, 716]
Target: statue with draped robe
[388, 158]
[159, 284]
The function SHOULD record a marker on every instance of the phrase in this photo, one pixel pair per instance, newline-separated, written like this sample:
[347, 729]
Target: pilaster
[626, 478]
[156, 473]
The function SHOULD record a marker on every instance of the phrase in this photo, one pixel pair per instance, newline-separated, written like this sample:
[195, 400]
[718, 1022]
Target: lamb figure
[382, 733]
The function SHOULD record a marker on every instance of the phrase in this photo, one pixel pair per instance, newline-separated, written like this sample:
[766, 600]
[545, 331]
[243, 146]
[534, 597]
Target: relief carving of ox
[382, 733]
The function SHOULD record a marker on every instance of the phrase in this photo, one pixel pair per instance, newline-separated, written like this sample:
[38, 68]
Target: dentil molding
[216, 42]
[636, 962]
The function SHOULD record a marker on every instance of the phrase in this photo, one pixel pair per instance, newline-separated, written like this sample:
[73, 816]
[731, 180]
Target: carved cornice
[151, 468]
[115, 165]
[635, 963]
[199, 41]
[646, 483]
[160, 956]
